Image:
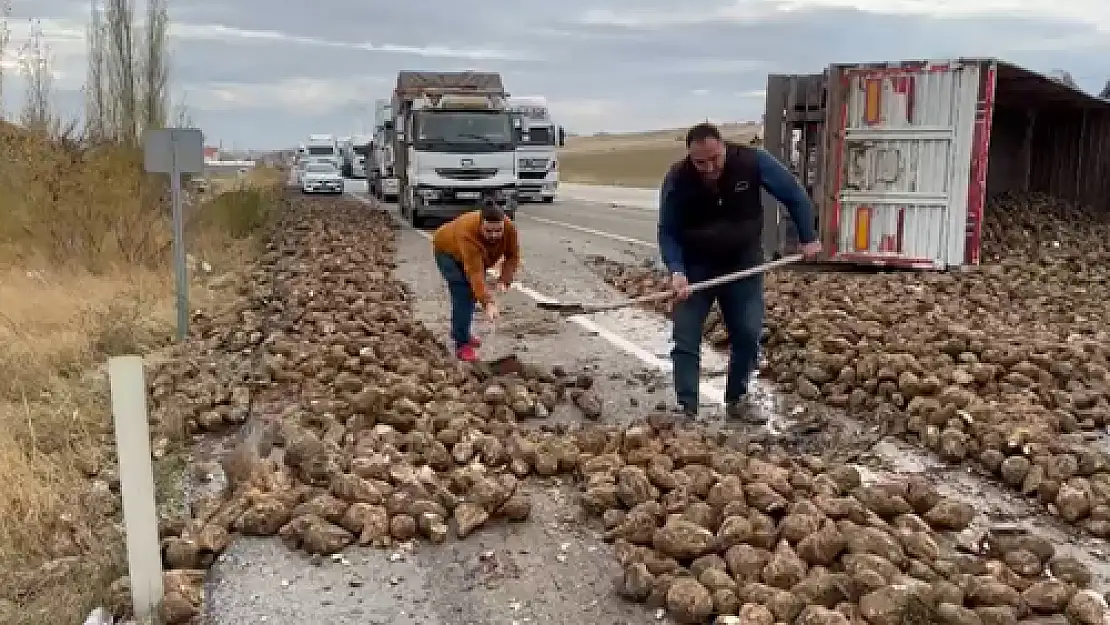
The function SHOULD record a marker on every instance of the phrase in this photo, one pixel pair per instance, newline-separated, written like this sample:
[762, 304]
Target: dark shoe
[744, 410]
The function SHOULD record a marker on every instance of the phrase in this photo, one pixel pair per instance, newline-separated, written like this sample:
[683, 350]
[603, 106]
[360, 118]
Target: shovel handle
[701, 286]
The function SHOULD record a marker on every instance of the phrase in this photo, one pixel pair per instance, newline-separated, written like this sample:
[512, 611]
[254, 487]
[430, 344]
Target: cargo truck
[901, 157]
[346, 157]
[452, 143]
[354, 157]
[381, 179]
[537, 137]
[323, 148]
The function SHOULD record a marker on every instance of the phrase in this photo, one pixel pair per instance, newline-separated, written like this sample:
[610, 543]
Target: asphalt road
[593, 221]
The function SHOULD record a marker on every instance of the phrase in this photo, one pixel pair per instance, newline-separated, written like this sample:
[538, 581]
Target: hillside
[632, 159]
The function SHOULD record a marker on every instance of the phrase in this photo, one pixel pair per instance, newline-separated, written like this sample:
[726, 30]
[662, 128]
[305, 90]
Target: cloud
[256, 72]
[219, 32]
[307, 96]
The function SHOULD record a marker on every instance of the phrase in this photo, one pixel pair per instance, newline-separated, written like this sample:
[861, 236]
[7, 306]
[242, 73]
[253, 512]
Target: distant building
[211, 153]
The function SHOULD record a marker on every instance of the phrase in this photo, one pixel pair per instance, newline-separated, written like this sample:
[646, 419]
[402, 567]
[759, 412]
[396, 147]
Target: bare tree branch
[97, 111]
[5, 39]
[120, 56]
[155, 98]
[35, 66]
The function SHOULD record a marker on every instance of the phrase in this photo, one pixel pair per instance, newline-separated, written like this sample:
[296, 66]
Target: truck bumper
[537, 191]
[322, 187]
[450, 203]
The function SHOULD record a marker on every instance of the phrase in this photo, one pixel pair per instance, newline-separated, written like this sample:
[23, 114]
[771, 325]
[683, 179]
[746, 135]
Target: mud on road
[378, 480]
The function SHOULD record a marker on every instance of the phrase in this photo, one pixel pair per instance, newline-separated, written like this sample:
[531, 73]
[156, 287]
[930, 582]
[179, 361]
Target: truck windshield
[537, 135]
[321, 150]
[458, 130]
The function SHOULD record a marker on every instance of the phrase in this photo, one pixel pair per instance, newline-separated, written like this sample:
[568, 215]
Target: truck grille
[470, 173]
[533, 175]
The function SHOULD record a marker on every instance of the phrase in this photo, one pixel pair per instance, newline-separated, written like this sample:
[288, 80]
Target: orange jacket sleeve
[512, 253]
[470, 248]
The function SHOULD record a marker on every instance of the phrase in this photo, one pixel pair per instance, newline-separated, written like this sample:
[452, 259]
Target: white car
[321, 177]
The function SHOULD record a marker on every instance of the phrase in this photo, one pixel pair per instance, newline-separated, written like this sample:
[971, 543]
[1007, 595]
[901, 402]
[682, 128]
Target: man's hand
[492, 311]
[811, 249]
[680, 286]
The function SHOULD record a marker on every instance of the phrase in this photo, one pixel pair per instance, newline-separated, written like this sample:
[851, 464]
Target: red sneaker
[466, 353]
[475, 342]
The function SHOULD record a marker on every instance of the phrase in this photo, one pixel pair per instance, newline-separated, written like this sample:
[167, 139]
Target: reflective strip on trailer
[873, 108]
[863, 228]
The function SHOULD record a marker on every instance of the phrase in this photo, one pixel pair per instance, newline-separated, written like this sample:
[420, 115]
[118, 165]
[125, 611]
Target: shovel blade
[562, 308]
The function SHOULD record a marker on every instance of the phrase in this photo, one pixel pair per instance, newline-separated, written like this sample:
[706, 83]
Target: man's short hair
[702, 132]
[491, 212]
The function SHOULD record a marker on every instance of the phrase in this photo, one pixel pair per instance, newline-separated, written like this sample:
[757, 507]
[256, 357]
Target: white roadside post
[136, 471]
[176, 151]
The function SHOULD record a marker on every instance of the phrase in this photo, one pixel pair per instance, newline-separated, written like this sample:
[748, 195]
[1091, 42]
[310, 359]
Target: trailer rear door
[900, 161]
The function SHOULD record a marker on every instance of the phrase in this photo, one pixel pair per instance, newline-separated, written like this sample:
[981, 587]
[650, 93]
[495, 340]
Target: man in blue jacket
[710, 224]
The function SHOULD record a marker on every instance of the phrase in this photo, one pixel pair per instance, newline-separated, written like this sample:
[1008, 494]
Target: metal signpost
[176, 151]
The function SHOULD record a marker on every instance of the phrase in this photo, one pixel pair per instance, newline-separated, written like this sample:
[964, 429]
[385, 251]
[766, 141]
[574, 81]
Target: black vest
[721, 226]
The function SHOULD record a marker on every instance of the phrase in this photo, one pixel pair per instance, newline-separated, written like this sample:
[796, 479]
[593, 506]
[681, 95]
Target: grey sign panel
[169, 149]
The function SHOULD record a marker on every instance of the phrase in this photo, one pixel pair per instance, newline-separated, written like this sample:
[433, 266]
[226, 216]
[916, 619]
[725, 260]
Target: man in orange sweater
[464, 248]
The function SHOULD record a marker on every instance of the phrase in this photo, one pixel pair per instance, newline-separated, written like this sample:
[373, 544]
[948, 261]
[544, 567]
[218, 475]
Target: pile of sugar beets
[1005, 365]
[376, 436]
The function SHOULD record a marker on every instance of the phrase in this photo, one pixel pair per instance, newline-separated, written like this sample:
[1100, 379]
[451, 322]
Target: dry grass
[632, 160]
[84, 245]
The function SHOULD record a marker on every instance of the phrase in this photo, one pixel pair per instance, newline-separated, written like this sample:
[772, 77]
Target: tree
[97, 110]
[5, 39]
[35, 66]
[155, 98]
[127, 90]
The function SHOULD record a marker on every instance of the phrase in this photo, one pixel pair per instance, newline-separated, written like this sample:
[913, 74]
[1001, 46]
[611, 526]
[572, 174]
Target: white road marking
[599, 233]
[714, 392]
[607, 204]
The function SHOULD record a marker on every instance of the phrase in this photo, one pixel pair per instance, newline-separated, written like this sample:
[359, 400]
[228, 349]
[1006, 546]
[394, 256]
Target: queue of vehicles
[442, 143]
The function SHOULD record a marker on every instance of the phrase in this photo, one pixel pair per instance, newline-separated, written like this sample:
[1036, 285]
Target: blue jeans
[462, 298]
[741, 305]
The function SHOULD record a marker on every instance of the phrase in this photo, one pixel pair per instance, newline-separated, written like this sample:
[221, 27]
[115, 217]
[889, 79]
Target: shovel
[570, 308]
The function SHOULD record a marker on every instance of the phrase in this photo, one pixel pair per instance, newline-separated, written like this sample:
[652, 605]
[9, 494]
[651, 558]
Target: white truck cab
[537, 139]
[323, 148]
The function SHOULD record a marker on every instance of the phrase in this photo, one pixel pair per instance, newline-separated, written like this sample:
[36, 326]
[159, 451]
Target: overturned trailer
[901, 158]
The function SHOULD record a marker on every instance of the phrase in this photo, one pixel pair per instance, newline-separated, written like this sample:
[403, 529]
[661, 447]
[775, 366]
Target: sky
[264, 74]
